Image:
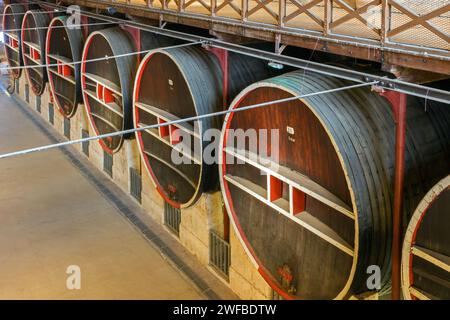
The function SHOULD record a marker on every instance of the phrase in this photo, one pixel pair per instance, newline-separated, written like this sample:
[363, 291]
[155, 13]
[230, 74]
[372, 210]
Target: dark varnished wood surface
[186, 82]
[107, 69]
[275, 238]
[163, 86]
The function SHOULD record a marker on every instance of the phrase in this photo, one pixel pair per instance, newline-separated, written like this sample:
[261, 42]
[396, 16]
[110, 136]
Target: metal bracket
[279, 47]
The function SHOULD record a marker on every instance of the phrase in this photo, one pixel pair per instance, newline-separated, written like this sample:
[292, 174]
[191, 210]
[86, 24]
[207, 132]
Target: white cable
[195, 118]
[57, 27]
[99, 59]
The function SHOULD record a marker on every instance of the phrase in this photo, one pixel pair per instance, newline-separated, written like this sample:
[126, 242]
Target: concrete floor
[52, 217]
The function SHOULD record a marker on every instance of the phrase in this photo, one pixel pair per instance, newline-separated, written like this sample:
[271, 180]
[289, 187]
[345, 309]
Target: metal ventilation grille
[135, 184]
[219, 254]
[172, 218]
[67, 128]
[107, 163]
[17, 85]
[85, 144]
[51, 111]
[27, 93]
[37, 103]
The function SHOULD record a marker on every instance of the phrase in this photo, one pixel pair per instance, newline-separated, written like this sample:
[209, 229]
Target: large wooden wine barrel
[34, 32]
[179, 83]
[64, 46]
[12, 23]
[107, 84]
[426, 247]
[313, 220]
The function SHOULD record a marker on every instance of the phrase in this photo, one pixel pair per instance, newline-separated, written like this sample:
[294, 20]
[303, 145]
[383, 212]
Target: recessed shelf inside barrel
[315, 217]
[178, 83]
[107, 84]
[64, 46]
[12, 23]
[426, 247]
[34, 32]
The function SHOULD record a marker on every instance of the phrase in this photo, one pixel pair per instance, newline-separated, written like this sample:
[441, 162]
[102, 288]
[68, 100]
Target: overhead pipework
[327, 201]
[426, 255]
[64, 46]
[324, 69]
[34, 32]
[12, 23]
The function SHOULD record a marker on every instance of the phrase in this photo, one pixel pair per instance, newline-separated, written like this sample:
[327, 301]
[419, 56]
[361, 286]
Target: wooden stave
[419, 218]
[41, 19]
[208, 77]
[75, 41]
[388, 139]
[19, 11]
[348, 141]
[433, 159]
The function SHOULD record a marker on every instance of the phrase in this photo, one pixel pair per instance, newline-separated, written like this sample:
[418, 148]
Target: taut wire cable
[174, 122]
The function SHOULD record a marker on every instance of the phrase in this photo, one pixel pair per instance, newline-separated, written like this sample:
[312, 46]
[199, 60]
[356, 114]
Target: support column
[399, 103]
